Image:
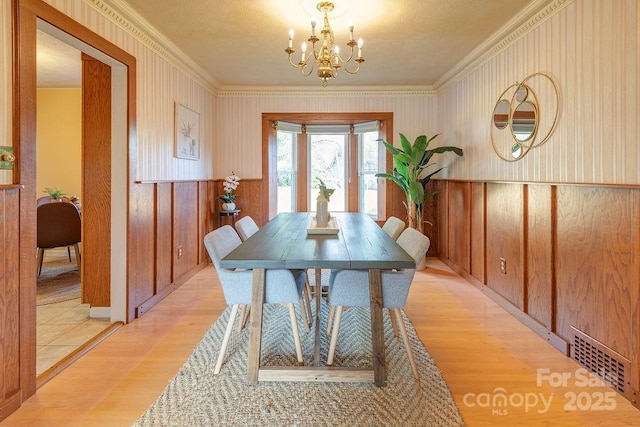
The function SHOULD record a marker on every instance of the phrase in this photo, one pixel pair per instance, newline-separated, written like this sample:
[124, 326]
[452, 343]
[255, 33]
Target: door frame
[26, 16]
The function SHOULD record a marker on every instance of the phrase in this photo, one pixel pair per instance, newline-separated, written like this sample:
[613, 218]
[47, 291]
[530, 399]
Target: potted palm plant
[55, 193]
[410, 173]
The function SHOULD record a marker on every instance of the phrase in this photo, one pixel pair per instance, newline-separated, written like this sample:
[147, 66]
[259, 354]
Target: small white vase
[228, 206]
[322, 211]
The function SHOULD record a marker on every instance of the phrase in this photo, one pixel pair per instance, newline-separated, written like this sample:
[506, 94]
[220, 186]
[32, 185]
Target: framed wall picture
[187, 140]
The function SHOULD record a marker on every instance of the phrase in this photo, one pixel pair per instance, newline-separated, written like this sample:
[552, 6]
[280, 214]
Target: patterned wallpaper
[239, 118]
[590, 48]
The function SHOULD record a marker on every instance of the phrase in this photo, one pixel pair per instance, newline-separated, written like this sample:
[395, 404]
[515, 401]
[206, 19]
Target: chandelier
[327, 56]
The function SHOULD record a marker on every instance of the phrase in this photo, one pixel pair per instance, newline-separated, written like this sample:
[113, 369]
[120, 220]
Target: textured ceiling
[409, 43]
[59, 65]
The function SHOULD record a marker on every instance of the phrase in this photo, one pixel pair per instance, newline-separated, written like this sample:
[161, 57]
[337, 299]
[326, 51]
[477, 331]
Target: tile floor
[63, 327]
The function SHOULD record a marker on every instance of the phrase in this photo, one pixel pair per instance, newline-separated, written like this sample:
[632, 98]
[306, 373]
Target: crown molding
[134, 24]
[529, 18]
[360, 91]
[523, 23]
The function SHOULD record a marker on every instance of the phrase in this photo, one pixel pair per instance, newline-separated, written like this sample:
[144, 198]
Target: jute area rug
[196, 397]
[59, 281]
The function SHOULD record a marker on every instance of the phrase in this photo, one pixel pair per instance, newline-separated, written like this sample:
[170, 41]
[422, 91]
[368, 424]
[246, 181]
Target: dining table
[292, 241]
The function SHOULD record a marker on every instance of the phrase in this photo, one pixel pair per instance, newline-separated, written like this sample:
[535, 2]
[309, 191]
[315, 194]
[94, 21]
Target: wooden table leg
[318, 288]
[255, 322]
[377, 328]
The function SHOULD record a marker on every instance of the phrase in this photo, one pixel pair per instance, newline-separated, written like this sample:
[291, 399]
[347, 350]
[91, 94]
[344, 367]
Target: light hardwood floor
[483, 352]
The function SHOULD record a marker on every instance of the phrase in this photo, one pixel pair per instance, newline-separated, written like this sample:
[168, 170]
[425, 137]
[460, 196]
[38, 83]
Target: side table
[228, 214]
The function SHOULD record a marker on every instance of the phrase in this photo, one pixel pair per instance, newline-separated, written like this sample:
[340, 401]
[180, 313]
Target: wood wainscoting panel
[598, 265]
[212, 212]
[204, 219]
[163, 235]
[505, 241]
[142, 241]
[185, 228]
[250, 200]
[540, 283]
[430, 217]
[442, 217]
[459, 195]
[9, 297]
[477, 231]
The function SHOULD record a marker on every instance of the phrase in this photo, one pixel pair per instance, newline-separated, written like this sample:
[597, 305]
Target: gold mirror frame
[522, 94]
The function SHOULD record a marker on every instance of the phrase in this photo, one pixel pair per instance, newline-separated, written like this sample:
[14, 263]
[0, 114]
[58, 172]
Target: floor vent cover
[609, 366]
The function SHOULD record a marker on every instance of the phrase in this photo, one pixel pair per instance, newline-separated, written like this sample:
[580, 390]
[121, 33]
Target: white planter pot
[228, 206]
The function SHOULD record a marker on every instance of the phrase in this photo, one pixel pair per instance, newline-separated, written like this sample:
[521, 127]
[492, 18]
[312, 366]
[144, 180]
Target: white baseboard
[100, 312]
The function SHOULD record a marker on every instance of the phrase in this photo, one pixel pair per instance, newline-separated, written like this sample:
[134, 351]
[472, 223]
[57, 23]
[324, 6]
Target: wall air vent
[609, 366]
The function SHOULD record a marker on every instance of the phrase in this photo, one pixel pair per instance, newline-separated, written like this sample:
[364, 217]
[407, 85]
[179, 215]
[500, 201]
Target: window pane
[368, 166]
[326, 161]
[369, 195]
[370, 147]
[285, 172]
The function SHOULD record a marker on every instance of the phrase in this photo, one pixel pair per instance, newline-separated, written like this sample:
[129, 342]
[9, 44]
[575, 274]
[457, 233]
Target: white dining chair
[246, 227]
[350, 288]
[281, 287]
[393, 226]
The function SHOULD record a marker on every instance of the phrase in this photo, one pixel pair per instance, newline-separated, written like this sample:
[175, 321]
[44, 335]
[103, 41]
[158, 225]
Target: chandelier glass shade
[325, 54]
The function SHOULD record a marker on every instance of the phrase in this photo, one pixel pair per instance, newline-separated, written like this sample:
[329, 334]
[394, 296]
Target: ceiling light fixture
[327, 58]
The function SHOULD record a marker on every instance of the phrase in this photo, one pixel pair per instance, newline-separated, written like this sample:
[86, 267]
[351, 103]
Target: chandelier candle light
[327, 58]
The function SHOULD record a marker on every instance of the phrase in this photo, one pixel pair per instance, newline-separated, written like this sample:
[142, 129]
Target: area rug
[196, 397]
[59, 281]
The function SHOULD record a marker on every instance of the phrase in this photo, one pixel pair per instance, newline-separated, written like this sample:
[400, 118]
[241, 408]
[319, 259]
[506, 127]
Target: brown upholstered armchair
[58, 226]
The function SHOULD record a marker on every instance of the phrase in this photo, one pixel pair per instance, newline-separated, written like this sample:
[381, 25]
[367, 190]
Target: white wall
[590, 47]
[592, 50]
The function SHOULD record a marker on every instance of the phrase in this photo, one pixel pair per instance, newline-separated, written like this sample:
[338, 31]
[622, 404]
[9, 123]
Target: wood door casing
[26, 14]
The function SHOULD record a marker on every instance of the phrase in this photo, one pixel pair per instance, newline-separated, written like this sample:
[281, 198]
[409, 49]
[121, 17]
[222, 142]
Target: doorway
[32, 15]
[104, 161]
[65, 323]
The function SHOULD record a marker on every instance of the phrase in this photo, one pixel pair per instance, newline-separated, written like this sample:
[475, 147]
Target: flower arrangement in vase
[230, 184]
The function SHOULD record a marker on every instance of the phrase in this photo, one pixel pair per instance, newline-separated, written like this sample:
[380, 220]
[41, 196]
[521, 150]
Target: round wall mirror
[521, 93]
[524, 120]
[517, 108]
[516, 151]
[501, 114]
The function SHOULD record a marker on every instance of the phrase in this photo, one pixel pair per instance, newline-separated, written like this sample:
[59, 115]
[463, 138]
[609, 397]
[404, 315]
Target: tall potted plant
[410, 173]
